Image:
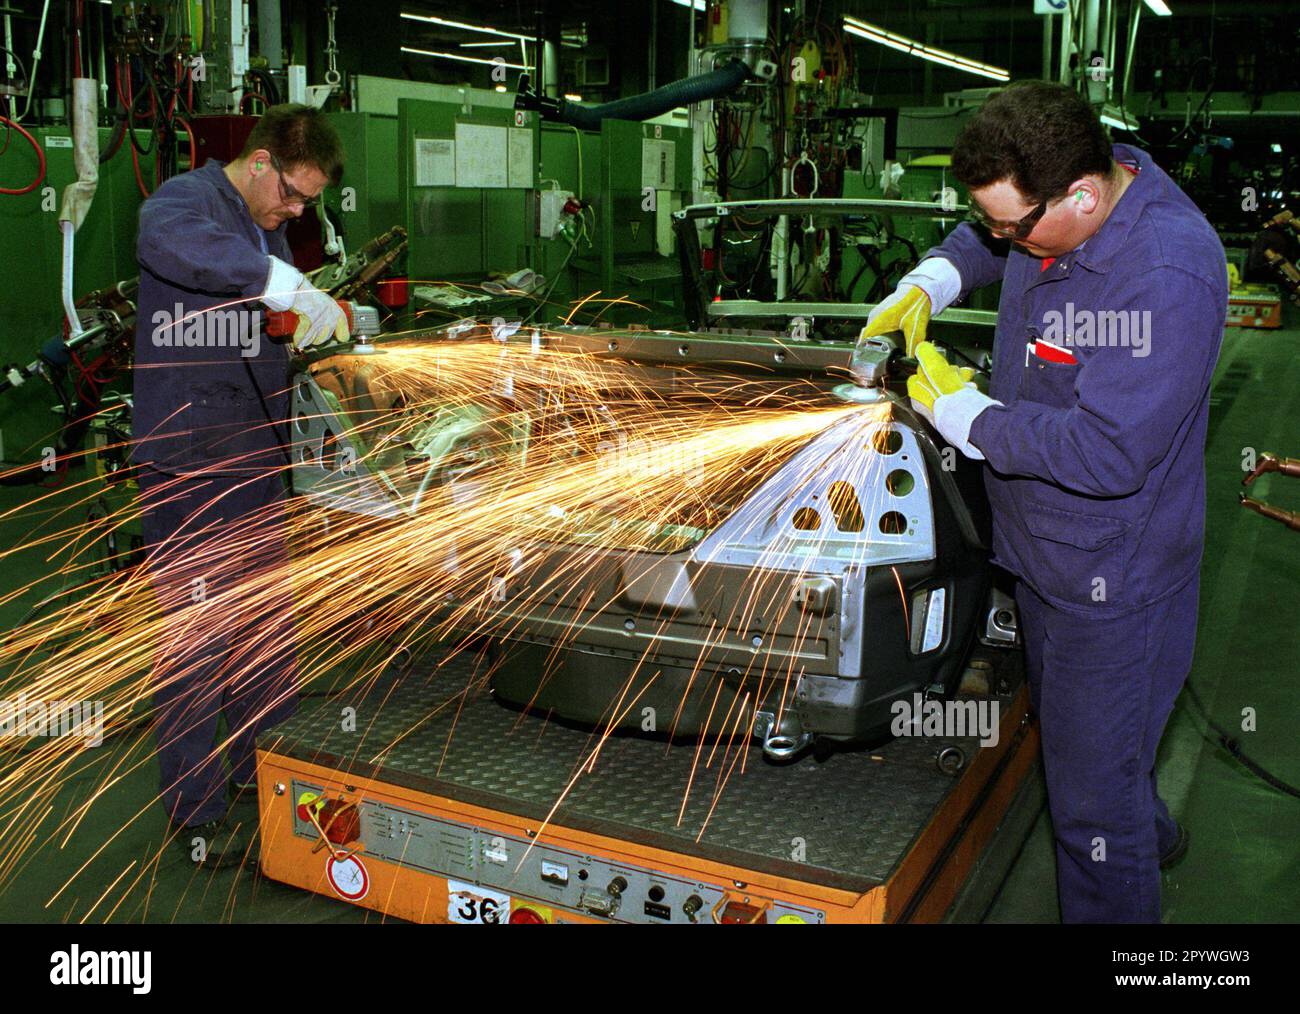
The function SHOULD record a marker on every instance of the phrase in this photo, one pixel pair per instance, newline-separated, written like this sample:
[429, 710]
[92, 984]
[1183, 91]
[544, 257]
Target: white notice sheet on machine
[521, 158]
[481, 156]
[435, 162]
[658, 164]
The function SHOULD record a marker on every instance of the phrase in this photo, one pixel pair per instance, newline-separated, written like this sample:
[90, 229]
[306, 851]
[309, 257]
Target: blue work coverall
[1096, 477]
[210, 436]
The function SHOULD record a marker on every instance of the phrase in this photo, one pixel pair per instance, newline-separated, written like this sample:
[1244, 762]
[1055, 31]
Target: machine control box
[555, 877]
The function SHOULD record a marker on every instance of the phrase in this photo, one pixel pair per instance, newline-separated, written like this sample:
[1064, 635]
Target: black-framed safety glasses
[290, 194]
[1018, 229]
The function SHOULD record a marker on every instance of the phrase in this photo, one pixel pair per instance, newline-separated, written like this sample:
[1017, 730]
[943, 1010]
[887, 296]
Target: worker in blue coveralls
[1114, 294]
[210, 421]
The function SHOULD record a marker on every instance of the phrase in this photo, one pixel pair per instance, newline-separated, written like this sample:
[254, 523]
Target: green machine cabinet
[369, 201]
[468, 182]
[645, 170]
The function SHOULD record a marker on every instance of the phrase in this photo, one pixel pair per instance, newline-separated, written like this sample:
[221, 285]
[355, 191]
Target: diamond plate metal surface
[844, 822]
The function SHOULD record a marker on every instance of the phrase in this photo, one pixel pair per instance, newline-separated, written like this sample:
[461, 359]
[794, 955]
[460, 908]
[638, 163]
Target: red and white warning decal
[348, 877]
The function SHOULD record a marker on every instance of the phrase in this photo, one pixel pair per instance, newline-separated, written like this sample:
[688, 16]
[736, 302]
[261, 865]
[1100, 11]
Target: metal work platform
[846, 822]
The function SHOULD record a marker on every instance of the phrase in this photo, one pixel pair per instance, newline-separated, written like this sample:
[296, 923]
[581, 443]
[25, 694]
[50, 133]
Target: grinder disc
[858, 395]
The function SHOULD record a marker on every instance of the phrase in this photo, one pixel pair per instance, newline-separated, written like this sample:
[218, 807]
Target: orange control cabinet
[430, 857]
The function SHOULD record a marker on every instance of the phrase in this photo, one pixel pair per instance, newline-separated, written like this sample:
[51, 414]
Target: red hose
[135, 165]
[117, 82]
[40, 158]
[254, 95]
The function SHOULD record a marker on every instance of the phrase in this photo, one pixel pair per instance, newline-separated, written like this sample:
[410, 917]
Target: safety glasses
[288, 193]
[1019, 229]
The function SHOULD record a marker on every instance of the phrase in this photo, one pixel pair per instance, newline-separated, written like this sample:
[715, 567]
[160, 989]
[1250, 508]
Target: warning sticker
[348, 877]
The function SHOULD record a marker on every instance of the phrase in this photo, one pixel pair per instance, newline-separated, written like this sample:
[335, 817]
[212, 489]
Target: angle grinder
[869, 366]
[363, 324]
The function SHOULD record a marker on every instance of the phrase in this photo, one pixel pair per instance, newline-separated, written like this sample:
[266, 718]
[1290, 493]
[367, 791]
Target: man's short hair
[298, 135]
[1040, 136]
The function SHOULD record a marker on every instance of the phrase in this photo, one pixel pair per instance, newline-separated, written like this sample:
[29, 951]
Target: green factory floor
[1243, 862]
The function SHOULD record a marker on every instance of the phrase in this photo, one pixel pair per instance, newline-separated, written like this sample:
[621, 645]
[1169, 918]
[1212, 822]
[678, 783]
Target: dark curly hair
[298, 135]
[1041, 136]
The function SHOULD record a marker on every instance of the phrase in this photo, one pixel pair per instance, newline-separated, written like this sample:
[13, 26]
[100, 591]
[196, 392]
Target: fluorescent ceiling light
[1159, 7]
[697, 4]
[874, 33]
[498, 43]
[447, 23]
[460, 57]
[572, 39]
[572, 97]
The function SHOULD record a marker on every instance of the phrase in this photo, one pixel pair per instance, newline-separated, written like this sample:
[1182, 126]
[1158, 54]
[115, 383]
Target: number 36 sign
[469, 903]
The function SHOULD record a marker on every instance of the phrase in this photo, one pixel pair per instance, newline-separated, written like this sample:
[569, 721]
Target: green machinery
[472, 178]
[31, 249]
[369, 202]
[645, 169]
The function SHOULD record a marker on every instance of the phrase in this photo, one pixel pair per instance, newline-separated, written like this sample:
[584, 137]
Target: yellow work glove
[908, 310]
[934, 377]
[945, 395]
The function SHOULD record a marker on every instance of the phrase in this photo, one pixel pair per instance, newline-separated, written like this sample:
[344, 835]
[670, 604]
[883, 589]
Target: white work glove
[955, 413]
[903, 310]
[938, 278]
[319, 316]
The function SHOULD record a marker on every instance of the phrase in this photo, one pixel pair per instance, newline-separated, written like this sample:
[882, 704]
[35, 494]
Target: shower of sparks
[518, 472]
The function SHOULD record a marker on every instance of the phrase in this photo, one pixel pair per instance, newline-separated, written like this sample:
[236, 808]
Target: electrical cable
[268, 84]
[22, 68]
[1230, 743]
[40, 159]
[1209, 91]
[577, 141]
[36, 63]
[545, 297]
[130, 99]
[115, 139]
